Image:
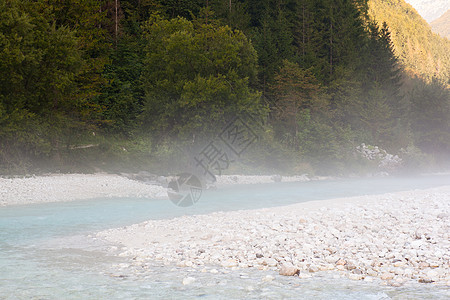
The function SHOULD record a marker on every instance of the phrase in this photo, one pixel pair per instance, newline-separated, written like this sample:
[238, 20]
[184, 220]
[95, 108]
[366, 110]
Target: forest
[109, 85]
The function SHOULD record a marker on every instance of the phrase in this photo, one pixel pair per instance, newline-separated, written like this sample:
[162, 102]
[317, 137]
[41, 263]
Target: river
[46, 251]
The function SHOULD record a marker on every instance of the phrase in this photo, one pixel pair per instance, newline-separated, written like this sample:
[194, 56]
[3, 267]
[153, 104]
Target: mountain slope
[442, 25]
[430, 9]
[422, 52]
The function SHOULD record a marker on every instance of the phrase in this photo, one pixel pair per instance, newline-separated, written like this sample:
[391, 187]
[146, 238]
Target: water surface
[45, 252]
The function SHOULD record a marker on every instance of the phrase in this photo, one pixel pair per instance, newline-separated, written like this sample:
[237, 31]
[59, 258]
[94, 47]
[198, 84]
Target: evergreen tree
[196, 79]
[39, 62]
[295, 89]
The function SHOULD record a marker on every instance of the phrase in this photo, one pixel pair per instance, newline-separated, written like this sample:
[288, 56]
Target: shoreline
[71, 187]
[397, 238]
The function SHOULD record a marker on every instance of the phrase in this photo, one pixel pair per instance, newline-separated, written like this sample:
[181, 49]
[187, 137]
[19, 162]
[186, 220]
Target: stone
[323, 268]
[433, 274]
[188, 280]
[270, 262]
[407, 272]
[423, 265]
[249, 288]
[394, 283]
[268, 278]
[399, 264]
[341, 262]
[425, 280]
[229, 263]
[181, 264]
[304, 276]
[330, 259]
[313, 269]
[354, 276]
[387, 276]
[289, 271]
[442, 215]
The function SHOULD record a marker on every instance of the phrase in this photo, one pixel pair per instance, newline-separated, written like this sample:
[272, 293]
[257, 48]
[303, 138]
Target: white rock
[270, 262]
[188, 280]
[229, 263]
[354, 276]
[249, 288]
[304, 276]
[288, 271]
[387, 276]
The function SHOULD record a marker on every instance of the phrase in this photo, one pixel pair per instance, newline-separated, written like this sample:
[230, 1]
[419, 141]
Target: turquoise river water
[46, 252]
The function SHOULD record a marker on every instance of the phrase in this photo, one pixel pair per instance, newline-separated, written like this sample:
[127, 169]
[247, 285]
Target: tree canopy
[129, 80]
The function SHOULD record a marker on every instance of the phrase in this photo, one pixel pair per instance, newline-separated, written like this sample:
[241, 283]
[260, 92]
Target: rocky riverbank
[395, 238]
[69, 187]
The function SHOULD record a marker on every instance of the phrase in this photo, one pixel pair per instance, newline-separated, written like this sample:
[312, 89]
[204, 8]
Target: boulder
[289, 271]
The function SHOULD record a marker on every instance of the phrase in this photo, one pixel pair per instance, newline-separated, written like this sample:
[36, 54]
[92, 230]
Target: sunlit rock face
[430, 10]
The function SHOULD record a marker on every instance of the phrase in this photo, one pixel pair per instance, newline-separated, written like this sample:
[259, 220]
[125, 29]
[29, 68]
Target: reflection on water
[45, 252]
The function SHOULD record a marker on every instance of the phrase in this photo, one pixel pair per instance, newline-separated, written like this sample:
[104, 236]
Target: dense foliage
[111, 84]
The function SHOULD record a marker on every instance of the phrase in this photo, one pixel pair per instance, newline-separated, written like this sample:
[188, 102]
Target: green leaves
[39, 62]
[196, 76]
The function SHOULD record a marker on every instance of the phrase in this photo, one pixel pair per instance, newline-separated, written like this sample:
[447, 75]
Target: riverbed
[52, 250]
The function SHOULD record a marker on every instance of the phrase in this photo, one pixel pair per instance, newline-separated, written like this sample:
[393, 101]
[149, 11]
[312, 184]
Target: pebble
[425, 280]
[387, 276]
[396, 237]
[268, 278]
[69, 187]
[304, 276]
[188, 280]
[354, 276]
[249, 288]
[230, 263]
[270, 262]
[313, 269]
[288, 271]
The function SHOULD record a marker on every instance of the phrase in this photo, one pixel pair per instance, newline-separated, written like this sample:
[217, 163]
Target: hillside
[421, 51]
[127, 86]
[430, 10]
[442, 25]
